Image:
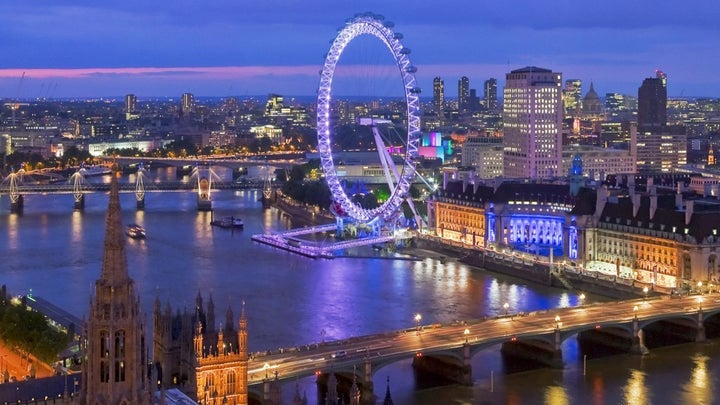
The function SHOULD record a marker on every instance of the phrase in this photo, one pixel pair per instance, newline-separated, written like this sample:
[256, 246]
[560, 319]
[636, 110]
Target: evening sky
[89, 48]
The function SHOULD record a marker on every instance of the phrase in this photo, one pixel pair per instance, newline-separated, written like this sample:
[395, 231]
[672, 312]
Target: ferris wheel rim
[373, 25]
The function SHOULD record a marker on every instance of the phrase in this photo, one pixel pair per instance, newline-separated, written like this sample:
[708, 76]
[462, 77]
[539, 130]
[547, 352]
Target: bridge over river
[202, 181]
[447, 349]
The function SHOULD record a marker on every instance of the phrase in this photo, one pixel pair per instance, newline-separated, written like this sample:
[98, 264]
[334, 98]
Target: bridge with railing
[447, 349]
[202, 181]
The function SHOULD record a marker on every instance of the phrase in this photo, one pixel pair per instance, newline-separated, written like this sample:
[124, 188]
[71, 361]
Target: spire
[388, 400]
[114, 266]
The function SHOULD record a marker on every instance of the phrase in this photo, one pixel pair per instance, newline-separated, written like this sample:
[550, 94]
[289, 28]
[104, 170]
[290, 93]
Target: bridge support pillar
[79, 204]
[459, 373]
[638, 345]
[556, 361]
[141, 203]
[367, 396]
[700, 327]
[204, 205]
[17, 206]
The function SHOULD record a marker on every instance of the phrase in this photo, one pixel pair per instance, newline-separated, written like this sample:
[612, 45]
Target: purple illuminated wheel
[369, 24]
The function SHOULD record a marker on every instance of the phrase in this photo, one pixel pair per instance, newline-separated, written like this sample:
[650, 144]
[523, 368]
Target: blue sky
[83, 48]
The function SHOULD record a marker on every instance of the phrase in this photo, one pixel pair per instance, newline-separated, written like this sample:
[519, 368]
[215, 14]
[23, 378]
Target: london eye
[400, 176]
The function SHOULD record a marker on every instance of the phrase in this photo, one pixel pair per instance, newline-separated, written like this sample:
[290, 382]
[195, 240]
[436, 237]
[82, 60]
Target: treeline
[29, 331]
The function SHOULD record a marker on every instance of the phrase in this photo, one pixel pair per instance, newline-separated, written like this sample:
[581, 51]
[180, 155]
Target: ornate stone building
[115, 365]
[648, 232]
[189, 353]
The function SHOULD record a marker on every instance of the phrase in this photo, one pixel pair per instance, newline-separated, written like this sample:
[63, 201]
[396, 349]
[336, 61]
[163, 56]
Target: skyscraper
[572, 97]
[652, 103]
[115, 365]
[188, 103]
[532, 118]
[438, 96]
[130, 103]
[491, 94]
[463, 94]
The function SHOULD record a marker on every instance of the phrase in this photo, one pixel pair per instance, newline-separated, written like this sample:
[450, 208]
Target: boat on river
[135, 231]
[228, 222]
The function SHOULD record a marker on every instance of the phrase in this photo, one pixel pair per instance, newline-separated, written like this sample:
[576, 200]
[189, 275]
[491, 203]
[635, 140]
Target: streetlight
[466, 333]
[582, 297]
[645, 292]
[635, 309]
[557, 321]
[418, 317]
[699, 287]
[506, 306]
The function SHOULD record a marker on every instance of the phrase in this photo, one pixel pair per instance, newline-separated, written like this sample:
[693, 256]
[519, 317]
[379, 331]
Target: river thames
[55, 252]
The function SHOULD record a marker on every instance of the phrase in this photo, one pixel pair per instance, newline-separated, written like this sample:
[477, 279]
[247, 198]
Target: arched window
[104, 371]
[120, 344]
[230, 389]
[119, 371]
[104, 344]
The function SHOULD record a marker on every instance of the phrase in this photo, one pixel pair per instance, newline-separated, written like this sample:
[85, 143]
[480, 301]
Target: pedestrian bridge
[447, 349]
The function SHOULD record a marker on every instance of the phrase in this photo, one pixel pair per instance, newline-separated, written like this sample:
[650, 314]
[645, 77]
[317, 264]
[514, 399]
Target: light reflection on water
[291, 299]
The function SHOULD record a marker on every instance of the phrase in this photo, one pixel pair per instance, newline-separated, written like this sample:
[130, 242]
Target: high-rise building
[532, 119]
[114, 369]
[438, 96]
[463, 94]
[652, 103]
[490, 99]
[130, 103]
[188, 103]
[572, 97]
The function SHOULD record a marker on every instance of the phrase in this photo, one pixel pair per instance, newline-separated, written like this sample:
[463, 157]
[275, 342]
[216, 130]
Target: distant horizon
[90, 49]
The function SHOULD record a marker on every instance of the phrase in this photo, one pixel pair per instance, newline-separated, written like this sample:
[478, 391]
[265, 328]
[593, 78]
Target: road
[306, 360]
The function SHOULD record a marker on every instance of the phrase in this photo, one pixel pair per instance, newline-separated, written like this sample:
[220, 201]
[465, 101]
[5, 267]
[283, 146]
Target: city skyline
[84, 49]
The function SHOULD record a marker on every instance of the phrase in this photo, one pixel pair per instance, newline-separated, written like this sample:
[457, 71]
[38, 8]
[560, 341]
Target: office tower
[130, 103]
[491, 94]
[188, 103]
[652, 103]
[532, 117]
[474, 101]
[463, 94]
[438, 96]
[572, 96]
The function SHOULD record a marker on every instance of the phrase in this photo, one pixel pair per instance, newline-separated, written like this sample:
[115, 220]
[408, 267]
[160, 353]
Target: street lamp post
[699, 285]
[418, 318]
[466, 333]
[557, 321]
[506, 306]
[645, 292]
[635, 309]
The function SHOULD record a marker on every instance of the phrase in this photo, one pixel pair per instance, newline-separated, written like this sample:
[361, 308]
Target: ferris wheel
[399, 178]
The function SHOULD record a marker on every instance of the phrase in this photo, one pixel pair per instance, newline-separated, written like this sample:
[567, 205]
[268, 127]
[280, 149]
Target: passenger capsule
[398, 35]
[411, 69]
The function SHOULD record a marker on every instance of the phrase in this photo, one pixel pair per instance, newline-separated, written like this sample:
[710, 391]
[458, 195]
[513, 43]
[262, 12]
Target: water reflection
[635, 390]
[699, 389]
[556, 395]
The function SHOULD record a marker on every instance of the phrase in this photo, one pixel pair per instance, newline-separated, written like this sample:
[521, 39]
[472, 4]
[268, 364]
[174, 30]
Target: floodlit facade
[532, 119]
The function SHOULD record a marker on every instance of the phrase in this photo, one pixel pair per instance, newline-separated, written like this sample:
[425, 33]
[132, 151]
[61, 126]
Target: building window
[230, 383]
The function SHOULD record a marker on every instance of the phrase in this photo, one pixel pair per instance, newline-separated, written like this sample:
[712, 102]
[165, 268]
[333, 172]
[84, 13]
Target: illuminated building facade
[114, 370]
[650, 234]
[571, 97]
[187, 103]
[485, 155]
[598, 162]
[189, 353]
[532, 122]
[438, 96]
[464, 94]
[490, 95]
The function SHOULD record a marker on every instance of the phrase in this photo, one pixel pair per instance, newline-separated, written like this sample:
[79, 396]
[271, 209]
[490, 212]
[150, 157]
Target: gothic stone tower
[114, 369]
